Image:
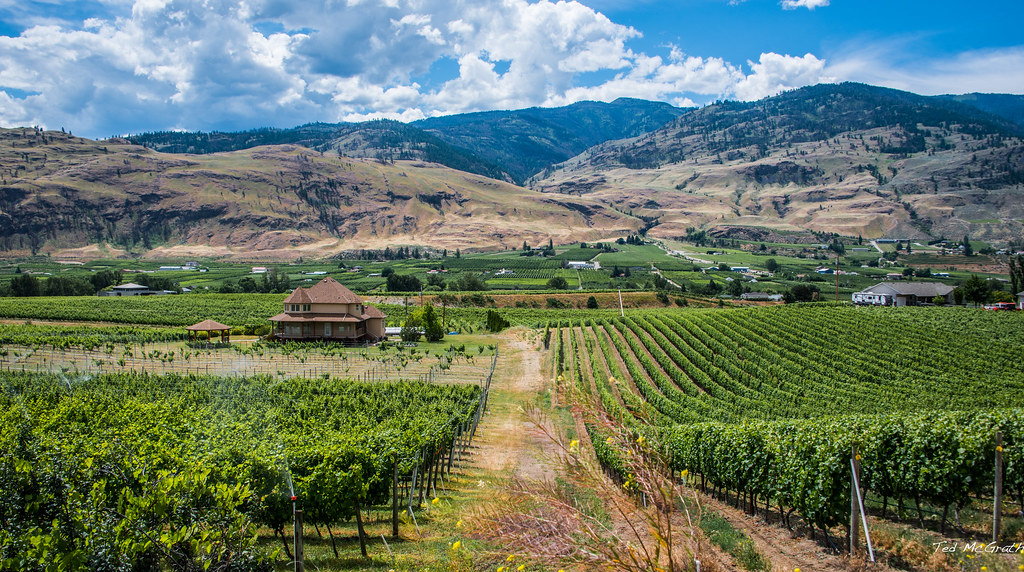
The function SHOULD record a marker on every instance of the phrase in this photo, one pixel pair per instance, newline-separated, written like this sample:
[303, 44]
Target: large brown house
[328, 311]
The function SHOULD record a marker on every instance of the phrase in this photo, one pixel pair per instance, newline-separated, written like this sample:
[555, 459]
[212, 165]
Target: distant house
[894, 276]
[328, 311]
[259, 269]
[740, 269]
[906, 294]
[761, 296]
[1020, 300]
[583, 265]
[131, 289]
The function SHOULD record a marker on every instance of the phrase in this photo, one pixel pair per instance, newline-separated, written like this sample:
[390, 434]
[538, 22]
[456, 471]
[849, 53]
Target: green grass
[734, 542]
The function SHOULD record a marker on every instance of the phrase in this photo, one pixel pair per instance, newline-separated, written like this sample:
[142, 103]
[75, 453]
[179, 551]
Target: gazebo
[209, 326]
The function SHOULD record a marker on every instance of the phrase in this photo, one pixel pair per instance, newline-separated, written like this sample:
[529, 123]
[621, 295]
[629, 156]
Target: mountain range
[846, 158]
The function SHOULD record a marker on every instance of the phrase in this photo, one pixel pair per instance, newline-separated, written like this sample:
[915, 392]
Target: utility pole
[837, 278]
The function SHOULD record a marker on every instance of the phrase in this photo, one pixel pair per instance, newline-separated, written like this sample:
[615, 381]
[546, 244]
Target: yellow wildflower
[436, 501]
[574, 445]
[999, 448]
[456, 545]
[521, 567]
[511, 558]
[609, 440]
[458, 524]
[640, 440]
[684, 473]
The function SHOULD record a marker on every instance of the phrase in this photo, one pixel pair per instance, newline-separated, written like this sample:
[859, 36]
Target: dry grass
[587, 519]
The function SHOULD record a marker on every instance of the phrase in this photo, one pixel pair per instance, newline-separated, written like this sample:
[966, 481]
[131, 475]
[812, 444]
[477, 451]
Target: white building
[904, 294]
[583, 265]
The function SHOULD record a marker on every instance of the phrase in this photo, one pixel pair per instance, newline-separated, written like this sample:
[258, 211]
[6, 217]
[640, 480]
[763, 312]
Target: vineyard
[178, 471]
[768, 403]
[94, 350]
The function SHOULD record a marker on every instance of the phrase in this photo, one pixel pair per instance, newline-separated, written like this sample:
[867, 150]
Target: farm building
[583, 265]
[761, 296]
[328, 311]
[131, 289]
[1020, 300]
[906, 294]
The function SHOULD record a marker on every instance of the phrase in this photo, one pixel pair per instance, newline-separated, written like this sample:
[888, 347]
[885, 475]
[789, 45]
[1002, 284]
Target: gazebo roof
[208, 326]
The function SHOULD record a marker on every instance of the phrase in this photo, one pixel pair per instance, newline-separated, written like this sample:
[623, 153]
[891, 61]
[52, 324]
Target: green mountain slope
[527, 141]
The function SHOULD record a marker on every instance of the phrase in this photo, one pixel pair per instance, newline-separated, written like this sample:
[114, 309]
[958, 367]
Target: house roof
[131, 286]
[326, 291]
[919, 289]
[208, 326]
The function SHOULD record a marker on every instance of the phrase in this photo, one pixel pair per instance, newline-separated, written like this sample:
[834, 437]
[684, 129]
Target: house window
[306, 307]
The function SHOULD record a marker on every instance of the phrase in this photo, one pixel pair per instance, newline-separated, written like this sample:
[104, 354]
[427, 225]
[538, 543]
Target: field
[759, 406]
[768, 403]
[174, 469]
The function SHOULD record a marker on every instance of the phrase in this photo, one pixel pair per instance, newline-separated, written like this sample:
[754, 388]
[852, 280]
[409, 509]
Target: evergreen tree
[966, 243]
[431, 324]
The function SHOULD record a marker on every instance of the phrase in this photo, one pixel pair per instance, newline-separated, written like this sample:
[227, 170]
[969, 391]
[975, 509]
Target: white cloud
[992, 71]
[130, 66]
[809, 4]
[774, 73]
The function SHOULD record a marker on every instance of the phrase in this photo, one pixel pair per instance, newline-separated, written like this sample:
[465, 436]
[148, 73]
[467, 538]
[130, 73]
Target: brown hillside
[60, 193]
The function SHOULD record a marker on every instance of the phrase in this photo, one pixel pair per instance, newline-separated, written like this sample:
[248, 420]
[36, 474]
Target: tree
[801, 293]
[403, 283]
[469, 282]
[411, 329]
[592, 303]
[25, 285]
[723, 267]
[966, 243]
[67, 286]
[432, 329]
[735, 288]
[495, 323]
[558, 283]
[436, 282]
[247, 284]
[975, 289]
[771, 265]
[104, 278]
[1017, 273]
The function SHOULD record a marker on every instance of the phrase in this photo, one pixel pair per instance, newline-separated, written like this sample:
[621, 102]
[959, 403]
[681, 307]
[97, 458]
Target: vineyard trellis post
[299, 556]
[854, 506]
[855, 483]
[997, 501]
[394, 498]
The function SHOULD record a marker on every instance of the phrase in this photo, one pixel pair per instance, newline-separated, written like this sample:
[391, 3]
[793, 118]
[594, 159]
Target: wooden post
[997, 508]
[854, 505]
[299, 556]
[394, 499]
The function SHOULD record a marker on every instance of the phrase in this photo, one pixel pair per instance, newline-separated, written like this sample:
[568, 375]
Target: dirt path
[509, 444]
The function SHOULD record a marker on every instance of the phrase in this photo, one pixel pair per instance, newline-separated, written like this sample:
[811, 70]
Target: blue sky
[109, 67]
